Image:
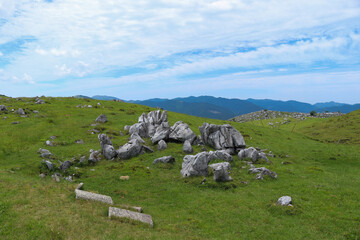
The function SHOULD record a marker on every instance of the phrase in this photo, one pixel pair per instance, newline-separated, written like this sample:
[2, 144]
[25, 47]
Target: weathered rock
[104, 140]
[162, 145]
[146, 149]
[122, 213]
[284, 201]
[135, 135]
[161, 133]
[252, 153]
[129, 150]
[56, 177]
[65, 165]
[222, 137]
[3, 108]
[49, 165]
[109, 152]
[20, 111]
[80, 194]
[196, 165]
[140, 129]
[94, 157]
[187, 148]
[221, 173]
[80, 186]
[44, 153]
[221, 155]
[79, 141]
[261, 172]
[102, 118]
[166, 159]
[181, 132]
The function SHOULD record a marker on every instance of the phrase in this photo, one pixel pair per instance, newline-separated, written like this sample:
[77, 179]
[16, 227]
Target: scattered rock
[162, 145]
[79, 141]
[48, 143]
[136, 136]
[252, 153]
[221, 173]
[181, 132]
[3, 108]
[106, 145]
[20, 111]
[166, 159]
[121, 133]
[187, 148]
[122, 213]
[261, 172]
[68, 178]
[42, 175]
[129, 150]
[56, 177]
[39, 101]
[196, 165]
[284, 201]
[221, 155]
[49, 165]
[138, 209]
[94, 131]
[161, 133]
[16, 122]
[80, 194]
[65, 165]
[82, 159]
[146, 149]
[124, 177]
[52, 137]
[102, 118]
[222, 137]
[94, 157]
[36, 111]
[44, 153]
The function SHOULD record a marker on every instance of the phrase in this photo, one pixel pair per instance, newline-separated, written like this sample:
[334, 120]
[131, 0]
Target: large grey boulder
[261, 172]
[181, 132]
[221, 155]
[195, 165]
[122, 213]
[284, 201]
[221, 173]
[162, 145]
[140, 129]
[187, 148]
[161, 133]
[130, 149]
[102, 118]
[65, 165]
[3, 108]
[166, 159]
[20, 111]
[109, 152]
[136, 136]
[252, 153]
[148, 123]
[80, 194]
[222, 137]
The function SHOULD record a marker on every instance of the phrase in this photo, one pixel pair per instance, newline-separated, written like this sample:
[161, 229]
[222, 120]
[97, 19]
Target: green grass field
[320, 173]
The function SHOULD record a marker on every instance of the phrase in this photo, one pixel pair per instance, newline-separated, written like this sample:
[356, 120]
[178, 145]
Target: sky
[305, 50]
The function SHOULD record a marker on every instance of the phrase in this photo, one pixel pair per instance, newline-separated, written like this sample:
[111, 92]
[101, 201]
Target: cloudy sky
[306, 50]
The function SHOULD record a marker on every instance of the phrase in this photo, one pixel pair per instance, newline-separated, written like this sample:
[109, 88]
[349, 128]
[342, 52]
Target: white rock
[284, 201]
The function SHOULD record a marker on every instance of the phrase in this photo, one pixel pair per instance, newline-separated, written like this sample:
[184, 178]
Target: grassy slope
[322, 179]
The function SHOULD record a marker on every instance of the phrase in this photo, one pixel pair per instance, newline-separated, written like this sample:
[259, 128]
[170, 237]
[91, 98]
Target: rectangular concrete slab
[122, 213]
[80, 194]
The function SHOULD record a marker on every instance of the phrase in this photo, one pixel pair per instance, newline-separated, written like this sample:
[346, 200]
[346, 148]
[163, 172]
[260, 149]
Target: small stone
[93, 170]
[35, 111]
[80, 141]
[162, 145]
[56, 177]
[42, 175]
[48, 143]
[20, 111]
[68, 178]
[53, 137]
[284, 201]
[166, 159]
[187, 148]
[124, 177]
[82, 159]
[102, 118]
[138, 209]
[16, 122]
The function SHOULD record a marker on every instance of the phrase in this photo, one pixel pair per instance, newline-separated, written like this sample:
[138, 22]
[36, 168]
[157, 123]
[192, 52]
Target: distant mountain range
[224, 108]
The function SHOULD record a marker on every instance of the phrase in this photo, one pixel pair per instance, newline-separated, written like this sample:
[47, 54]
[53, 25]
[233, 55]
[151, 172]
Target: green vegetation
[321, 177]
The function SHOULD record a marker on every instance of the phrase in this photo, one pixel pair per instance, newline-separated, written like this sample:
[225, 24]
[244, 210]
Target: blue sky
[306, 50]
